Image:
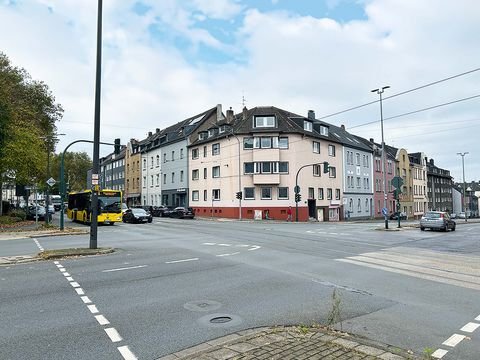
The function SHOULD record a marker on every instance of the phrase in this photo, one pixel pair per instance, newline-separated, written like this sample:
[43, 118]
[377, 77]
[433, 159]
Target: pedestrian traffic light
[117, 146]
[298, 197]
[239, 195]
[326, 167]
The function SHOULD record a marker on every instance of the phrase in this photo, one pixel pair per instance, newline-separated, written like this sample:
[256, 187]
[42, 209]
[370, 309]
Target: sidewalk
[295, 343]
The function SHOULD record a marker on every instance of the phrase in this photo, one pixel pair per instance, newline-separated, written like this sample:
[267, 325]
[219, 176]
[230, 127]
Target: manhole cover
[220, 320]
[203, 305]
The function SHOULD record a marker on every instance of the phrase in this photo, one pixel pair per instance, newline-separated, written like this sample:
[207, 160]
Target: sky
[167, 60]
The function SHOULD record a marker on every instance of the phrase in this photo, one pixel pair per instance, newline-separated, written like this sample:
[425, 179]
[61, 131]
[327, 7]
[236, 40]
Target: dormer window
[323, 130]
[211, 132]
[307, 125]
[202, 135]
[221, 129]
[264, 121]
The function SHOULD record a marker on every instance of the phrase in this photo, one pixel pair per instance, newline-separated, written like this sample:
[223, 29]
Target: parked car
[182, 213]
[51, 209]
[124, 207]
[167, 211]
[461, 215]
[437, 220]
[394, 216]
[453, 216]
[38, 212]
[136, 215]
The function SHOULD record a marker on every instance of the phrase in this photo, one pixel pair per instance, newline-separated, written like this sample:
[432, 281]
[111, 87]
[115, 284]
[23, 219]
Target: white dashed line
[56, 262]
[477, 318]
[59, 266]
[470, 327]
[66, 274]
[439, 353]
[179, 261]
[224, 245]
[113, 334]
[126, 353]
[242, 245]
[102, 320]
[93, 309]
[69, 278]
[209, 244]
[236, 253]
[254, 247]
[454, 340]
[126, 268]
[80, 291]
[86, 300]
[75, 284]
[62, 269]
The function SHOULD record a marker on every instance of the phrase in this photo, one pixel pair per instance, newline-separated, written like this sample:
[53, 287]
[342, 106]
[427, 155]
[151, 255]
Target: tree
[28, 113]
[76, 166]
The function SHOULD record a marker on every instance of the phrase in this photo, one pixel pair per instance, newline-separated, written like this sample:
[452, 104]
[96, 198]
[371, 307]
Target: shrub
[18, 214]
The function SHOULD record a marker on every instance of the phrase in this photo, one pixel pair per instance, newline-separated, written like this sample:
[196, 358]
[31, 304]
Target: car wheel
[422, 228]
[444, 229]
[453, 228]
[149, 220]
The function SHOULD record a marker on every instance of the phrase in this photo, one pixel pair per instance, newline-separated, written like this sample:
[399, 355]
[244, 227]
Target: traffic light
[298, 197]
[239, 195]
[326, 167]
[396, 194]
[117, 146]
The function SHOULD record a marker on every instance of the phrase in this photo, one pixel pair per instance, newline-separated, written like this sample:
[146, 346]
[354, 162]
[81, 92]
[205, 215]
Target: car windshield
[433, 215]
[139, 212]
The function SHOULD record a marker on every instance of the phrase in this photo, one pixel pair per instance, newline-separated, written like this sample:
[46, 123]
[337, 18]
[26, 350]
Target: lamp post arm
[296, 184]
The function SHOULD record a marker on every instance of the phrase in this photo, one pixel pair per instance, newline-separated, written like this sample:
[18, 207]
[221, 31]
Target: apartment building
[404, 171]
[439, 188]
[418, 169]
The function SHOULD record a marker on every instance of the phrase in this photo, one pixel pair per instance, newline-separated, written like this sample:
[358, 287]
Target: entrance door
[312, 208]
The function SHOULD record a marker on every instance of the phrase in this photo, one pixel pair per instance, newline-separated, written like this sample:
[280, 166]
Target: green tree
[76, 166]
[28, 113]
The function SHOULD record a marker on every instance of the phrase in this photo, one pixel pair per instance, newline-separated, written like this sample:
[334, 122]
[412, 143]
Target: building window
[316, 147]
[205, 195]
[329, 194]
[311, 193]
[216, 171]
[202, 135]
[144, 181]
[331, 150]
[173, 177]
[357, 155]
[359, 182]
[194, 175]
[320, 193]
[283, 142]
[332, 172]
[164, 157]
[266, 142]
[181, 153]
[144, 164]
[323, 130]
[248, 168]
[195, 195]
[158, 180]
[283, 193]
[249, 193]
[194, 154]
[359, 205]
[266, 167]
[216, 149]
[205, 173]
[151, 180]
[216, 194]
[164, 178]
[248, 143]
[266, 193]
[264, 121]
[366, 206]
[204, 151]
[158, 160]
[317, 169]
[337, 194]
[181, 176]
[283, 167]
[307, 125]
[151, 162]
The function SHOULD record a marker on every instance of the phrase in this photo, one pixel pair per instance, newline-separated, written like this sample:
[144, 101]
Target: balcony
[266, 179]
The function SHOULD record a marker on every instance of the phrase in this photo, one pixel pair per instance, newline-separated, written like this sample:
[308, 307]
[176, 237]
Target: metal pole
[48, 186]
[96, 132]
[464, 202]
[380, 92]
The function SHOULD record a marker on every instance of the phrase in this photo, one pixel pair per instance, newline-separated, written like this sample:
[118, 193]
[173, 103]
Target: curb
[244, 344]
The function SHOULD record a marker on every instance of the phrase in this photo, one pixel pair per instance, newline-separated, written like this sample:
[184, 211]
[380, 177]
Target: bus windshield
[110, 204]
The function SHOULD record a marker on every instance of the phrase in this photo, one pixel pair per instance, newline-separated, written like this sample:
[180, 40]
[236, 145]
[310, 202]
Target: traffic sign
[384, 211]
[397, 182]
[51, 182]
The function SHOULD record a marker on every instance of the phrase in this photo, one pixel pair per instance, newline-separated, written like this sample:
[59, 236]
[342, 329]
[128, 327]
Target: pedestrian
[289, 213]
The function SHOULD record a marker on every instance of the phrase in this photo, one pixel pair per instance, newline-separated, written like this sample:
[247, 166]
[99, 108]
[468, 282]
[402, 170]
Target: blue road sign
[384, 211]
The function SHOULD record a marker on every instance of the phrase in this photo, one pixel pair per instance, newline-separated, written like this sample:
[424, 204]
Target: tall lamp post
[239, 193]
[380, 91]
[464, 202]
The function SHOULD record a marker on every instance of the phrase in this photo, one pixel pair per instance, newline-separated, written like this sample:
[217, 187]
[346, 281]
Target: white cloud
[290, 61]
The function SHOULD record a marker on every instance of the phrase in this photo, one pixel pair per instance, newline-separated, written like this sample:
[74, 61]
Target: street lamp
[380, 92]
[239, 194]
[464, 203]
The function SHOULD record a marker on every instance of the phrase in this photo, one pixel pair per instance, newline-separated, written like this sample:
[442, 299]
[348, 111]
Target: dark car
[38, 212]
[136, 215]
[166, 211]
[182, 213]
[395, 216]
[437, 220]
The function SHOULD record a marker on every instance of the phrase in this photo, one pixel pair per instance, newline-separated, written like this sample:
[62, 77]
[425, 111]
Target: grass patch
[60, 253]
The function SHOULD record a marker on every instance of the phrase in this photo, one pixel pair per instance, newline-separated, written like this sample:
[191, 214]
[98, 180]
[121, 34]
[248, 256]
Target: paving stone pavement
[291, 343]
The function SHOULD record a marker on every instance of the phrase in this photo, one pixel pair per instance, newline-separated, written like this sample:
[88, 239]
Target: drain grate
[221, 320]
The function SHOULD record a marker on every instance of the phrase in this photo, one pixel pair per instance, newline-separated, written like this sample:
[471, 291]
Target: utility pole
[464, 202]
[380, 92]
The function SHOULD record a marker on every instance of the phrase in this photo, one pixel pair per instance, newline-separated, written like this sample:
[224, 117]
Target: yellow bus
[109, 206]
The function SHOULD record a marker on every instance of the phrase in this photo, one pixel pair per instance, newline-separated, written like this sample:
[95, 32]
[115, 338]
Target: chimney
[343, 127]
[432, 162]
[149, 133]
[229, 115]
[244, 113]
[311, 115]
[372, 141]
[157, 130]
[219, 113]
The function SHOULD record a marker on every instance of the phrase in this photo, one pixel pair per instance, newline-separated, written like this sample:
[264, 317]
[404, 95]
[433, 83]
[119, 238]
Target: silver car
[437, 220]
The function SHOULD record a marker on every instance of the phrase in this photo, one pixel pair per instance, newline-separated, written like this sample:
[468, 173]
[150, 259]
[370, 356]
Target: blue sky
[168, 60]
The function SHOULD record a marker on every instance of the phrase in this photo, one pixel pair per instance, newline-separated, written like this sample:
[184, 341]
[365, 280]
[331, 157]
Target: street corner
[9, 260]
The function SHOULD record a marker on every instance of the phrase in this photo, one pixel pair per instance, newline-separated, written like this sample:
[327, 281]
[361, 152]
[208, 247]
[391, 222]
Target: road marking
[224, 245]
[439, 353]
[80, 291]
[126, 268]
[254, 247]
[470, 327]
[332, 233]
[69, 278]
[86, 300]
[62, 269]
[102, 320]
[75, 284]
[66, 274]
[113, 334]
[179, 261]
[235, 253]
[56, 262]
[477, 318]
[208, 243]
[59, 266]
[242, 245]
[454, 340]
[93, 309]
[126, 353]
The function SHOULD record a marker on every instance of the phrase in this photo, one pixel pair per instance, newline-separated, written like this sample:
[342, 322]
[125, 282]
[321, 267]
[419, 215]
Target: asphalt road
[159, 291]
